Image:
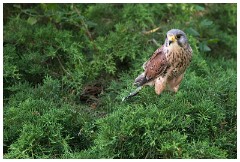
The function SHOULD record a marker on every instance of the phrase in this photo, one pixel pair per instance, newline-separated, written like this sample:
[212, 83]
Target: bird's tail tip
[135, 92]
[123, 99]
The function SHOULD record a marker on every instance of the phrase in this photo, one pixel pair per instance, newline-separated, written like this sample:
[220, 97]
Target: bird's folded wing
[156, 66]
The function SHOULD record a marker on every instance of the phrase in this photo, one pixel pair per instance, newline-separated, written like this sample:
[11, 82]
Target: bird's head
[176, 38]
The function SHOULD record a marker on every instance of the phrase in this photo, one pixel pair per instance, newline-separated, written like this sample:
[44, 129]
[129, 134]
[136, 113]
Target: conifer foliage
[67, 67]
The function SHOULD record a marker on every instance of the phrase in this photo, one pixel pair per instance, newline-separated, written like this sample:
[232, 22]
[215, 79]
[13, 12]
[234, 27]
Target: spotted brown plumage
[166, 67]
[156, 65]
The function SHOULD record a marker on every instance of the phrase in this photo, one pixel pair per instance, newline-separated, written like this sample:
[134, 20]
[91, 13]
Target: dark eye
[178, 36]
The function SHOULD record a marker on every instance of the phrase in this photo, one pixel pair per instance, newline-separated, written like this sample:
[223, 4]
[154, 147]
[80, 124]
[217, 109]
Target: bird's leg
[175, 83]
[160, 84]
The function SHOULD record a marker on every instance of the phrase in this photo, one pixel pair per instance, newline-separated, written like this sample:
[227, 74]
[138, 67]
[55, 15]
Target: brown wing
[152, 57]
[154, 67]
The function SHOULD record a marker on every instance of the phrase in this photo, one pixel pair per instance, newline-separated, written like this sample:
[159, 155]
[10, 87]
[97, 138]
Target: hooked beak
[171, 39]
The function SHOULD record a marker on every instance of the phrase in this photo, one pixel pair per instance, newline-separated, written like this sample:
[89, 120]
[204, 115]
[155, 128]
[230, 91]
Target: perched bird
[166, 67]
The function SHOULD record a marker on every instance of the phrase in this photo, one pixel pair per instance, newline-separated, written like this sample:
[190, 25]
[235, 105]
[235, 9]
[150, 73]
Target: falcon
[166, 68]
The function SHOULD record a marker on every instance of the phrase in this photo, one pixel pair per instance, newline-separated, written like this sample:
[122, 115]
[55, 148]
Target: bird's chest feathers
[174, 54]
[177, 58]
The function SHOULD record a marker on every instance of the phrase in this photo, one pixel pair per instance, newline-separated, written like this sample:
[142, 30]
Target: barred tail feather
[140, 80]
[135, 92]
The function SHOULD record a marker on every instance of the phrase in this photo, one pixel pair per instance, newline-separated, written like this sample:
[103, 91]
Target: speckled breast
[179, 60]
